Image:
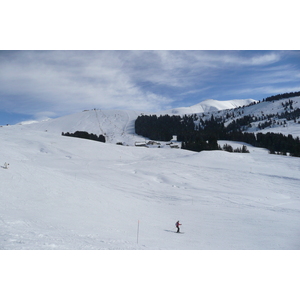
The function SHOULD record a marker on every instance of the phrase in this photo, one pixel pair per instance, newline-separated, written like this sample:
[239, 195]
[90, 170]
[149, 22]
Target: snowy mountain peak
[210, 105]
[118, 126]
[216, 105]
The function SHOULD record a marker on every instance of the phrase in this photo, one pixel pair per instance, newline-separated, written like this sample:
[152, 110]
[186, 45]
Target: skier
[6, 165]
[177, 226]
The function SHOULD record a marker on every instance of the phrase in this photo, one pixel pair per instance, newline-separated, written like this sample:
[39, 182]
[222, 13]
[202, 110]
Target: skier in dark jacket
[177, 226]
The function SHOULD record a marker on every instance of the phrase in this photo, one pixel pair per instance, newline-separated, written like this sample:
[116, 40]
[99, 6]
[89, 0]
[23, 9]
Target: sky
[66, 57]
[49, 84]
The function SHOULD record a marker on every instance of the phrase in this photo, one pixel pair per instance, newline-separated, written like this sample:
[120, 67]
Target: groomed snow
[67, 193]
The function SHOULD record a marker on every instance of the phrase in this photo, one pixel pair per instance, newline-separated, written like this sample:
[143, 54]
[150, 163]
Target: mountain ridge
[209, 105]
[118, 126]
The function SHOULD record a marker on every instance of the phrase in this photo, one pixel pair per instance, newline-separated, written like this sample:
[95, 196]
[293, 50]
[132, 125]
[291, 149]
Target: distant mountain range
[118, 126]
[209, 105]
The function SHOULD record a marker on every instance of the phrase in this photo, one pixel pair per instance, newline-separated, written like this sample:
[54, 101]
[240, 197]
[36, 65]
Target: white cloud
[267, 90]
[220, 59]
[62, 82]
[68, 81]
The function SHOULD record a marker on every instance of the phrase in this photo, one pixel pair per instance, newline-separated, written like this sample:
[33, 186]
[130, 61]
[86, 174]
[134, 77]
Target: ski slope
[116, 125]
[67, 193]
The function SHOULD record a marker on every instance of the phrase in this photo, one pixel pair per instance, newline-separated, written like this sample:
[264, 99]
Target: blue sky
[41, 84]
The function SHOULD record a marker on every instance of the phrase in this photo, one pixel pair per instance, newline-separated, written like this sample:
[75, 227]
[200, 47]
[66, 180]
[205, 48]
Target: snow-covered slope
[66, 193]
[267, 111]
[116, 125]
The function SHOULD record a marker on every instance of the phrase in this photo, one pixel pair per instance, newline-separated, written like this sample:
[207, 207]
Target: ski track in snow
[66, 193]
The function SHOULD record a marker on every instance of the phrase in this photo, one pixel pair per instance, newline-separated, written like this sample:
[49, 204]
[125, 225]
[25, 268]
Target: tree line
[86, 135]
[282, 96]
[208, 132]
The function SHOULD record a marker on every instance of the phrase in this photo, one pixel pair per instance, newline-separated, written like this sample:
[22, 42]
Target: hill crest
[209, 105]
[118, 126]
